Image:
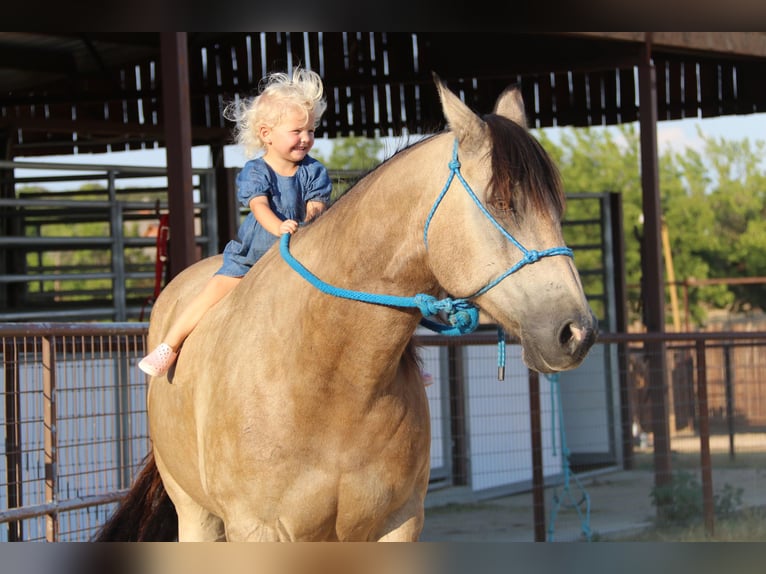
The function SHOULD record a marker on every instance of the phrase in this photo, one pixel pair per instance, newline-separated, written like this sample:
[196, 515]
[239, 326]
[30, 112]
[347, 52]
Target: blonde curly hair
[279, 93]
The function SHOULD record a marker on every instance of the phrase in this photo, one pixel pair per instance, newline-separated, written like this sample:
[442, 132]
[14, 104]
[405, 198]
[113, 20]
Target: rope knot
[427, 304]
[532, 255]
[461, 319]
[462, 316]
[454, 164]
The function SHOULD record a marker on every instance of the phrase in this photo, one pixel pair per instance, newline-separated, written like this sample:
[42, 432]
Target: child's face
[292, 138]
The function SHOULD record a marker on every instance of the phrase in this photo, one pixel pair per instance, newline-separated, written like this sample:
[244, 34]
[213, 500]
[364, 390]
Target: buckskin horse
[296, 409]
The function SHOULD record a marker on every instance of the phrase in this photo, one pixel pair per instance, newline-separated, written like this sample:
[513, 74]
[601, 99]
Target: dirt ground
[620, 504]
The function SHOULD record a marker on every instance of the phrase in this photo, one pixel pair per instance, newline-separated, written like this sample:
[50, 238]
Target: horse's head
[501, 243]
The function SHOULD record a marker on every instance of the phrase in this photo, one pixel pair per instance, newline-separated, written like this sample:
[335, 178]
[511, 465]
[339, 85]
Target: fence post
[119, 297]
[49, 430]
[13, 444]
[729, 397]
[456, 374]
[122, 416]
[538, 478]
[704, 426]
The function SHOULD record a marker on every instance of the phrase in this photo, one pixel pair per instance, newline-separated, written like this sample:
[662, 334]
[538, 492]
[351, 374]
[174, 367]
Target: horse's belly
[289, 464]
[324, 491]
[316, 505]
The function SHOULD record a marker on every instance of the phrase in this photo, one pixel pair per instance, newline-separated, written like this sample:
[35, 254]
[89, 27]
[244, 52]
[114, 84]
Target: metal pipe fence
[88, 248]
[75, 427]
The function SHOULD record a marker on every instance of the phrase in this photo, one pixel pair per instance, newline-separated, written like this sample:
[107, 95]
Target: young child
[281, 188]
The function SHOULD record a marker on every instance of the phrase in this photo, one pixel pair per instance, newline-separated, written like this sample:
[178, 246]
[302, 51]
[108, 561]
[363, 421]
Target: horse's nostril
[566, 334]
[577, 339]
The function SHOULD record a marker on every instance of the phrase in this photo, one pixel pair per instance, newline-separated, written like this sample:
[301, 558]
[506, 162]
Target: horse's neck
[370, 241]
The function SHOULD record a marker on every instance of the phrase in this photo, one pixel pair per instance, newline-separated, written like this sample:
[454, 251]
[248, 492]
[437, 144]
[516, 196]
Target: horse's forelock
[523, 175]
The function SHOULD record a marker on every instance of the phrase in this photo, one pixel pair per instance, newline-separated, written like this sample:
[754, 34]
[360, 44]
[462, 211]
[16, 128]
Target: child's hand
[288, 226]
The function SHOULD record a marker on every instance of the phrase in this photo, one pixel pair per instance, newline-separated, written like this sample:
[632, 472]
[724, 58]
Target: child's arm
[259, 205]
[314, 209]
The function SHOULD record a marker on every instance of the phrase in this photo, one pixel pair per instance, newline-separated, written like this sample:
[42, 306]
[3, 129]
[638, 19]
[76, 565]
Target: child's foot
[158, 361]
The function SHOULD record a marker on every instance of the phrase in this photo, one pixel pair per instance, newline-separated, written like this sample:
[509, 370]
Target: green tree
[352, 154]
[713, 202]
[738, 198]
[595, 160]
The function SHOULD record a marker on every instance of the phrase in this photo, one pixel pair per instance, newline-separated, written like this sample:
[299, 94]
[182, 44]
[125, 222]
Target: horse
[298, 414]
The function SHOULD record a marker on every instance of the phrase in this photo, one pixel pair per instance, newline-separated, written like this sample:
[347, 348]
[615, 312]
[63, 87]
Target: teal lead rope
[462, 315]
[566, 499]
[500, 354]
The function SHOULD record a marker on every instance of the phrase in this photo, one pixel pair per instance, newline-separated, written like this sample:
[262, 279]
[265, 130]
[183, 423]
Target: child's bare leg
[214, 291]
[161, 358]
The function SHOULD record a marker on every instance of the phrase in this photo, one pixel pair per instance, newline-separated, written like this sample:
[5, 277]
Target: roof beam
[17, 57]
[109, 128]
[746, 44]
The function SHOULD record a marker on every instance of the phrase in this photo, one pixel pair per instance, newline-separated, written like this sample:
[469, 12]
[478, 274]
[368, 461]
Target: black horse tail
[145, 514]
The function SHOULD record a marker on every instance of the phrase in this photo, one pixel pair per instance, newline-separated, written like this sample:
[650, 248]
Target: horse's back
[176, 293]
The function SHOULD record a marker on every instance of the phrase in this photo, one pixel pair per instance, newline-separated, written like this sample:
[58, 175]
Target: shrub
[680, 502]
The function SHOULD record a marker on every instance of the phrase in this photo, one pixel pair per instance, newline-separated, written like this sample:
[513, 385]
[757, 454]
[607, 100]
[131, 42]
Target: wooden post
[538, 477]
[459, 429]
[227, 207]
[706, 465]
[178, 141]
[50, 435]
[653, 285]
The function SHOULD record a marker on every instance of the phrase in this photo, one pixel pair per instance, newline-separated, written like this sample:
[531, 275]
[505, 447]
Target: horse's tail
[145, 514]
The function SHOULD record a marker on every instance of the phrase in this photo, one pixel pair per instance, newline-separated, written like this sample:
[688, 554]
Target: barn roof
[64, 93]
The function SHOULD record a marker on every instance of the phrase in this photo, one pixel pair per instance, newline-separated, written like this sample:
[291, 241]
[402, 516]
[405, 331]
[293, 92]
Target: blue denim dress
[287, 198]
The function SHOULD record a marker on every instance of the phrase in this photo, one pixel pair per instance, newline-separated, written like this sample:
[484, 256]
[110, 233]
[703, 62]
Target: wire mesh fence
[75, 427]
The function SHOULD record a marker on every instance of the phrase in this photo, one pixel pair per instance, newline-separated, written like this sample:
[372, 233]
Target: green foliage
[680, 502]
[713, 201]
[354, 154]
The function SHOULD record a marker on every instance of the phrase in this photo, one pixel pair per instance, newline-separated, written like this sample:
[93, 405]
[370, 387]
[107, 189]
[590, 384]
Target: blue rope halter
[462, 314]
[566, 500]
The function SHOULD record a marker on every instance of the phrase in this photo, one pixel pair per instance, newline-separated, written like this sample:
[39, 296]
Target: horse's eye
[502, 206]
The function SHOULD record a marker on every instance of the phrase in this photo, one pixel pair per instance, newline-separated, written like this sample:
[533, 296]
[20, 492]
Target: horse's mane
[520, 162]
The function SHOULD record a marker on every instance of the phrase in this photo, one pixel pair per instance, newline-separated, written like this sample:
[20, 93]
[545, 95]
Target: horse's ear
[469, 129]
[511, 105]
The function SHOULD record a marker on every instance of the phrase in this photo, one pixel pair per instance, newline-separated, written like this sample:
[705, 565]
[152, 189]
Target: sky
[676, 134]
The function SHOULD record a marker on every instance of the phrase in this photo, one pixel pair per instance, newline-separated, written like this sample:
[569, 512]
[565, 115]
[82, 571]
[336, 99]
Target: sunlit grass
[747, 525]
